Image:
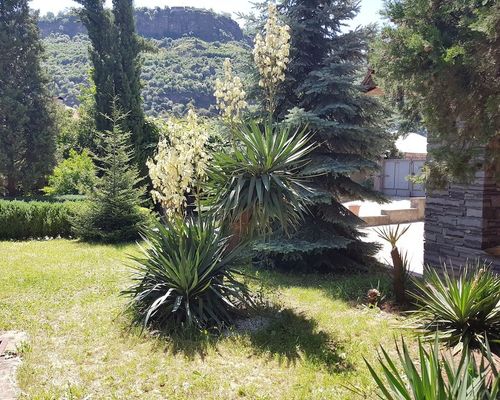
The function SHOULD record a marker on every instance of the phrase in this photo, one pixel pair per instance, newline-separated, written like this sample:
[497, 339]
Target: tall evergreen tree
[116, 59]
[323, 90]
[27, 133]
[443, 59]
[114, 213]
[99, 24]
[128, 72]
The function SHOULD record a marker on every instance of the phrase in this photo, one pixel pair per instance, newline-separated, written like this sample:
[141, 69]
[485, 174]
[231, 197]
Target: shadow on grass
[190, 344]
[291, 337]
[348, 287]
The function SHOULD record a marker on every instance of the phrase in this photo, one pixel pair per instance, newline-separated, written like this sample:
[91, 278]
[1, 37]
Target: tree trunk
[239, 230]
[398, 276]
[11, 186]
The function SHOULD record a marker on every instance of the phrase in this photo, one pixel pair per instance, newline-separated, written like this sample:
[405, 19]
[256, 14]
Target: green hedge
[36, 219]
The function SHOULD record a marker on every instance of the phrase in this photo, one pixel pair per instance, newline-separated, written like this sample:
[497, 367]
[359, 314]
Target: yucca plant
[258, 182]
[435, 375]
[464, 306]
[186, 277]
[399, 261]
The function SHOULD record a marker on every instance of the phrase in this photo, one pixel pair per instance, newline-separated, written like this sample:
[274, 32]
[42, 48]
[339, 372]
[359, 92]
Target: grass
[65, 295]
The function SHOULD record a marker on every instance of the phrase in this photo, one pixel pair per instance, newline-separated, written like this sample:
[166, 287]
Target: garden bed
[64, 294]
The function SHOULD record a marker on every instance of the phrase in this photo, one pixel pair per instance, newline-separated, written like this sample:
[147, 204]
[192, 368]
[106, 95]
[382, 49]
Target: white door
[403, 186]
[396, 182]
[417, 190]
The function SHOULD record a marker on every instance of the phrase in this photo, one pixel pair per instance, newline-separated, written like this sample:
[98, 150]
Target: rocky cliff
[159, 23]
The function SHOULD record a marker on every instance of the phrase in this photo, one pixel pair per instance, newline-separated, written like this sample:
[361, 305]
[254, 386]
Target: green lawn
[66, 296]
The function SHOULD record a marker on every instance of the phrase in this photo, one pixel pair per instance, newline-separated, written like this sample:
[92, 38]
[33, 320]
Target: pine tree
[114, 213]
[322, 90]
[27, 132]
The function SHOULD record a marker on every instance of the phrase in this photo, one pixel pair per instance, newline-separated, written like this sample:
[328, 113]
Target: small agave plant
[435, 375]
[463, 306]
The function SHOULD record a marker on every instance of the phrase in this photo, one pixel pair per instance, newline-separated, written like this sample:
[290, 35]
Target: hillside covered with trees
[181, 70]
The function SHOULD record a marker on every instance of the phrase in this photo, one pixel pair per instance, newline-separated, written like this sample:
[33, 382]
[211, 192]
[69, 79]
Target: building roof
[412, 143]
[369, 85]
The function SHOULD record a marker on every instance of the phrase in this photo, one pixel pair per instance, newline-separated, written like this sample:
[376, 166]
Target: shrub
[186, 277]
[463, 307]
[436, 376]
[75, 175]
[24, 220]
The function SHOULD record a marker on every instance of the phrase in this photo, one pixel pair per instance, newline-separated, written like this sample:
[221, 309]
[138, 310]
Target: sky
[369, 8]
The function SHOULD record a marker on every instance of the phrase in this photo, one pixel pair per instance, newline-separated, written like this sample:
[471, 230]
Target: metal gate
[396, 173]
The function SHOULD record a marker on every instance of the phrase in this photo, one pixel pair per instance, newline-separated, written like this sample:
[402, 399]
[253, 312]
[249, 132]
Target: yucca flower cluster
[230, 94]
[180, 163]
[271, 54]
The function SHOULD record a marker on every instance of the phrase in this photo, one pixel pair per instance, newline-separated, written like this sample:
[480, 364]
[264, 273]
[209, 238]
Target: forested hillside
[182, 71]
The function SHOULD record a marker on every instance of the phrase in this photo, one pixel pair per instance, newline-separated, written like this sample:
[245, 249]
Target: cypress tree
[127, 77]
[323, 91]
[114, 213]
[115, 55]
[27, 129]
[99, 24]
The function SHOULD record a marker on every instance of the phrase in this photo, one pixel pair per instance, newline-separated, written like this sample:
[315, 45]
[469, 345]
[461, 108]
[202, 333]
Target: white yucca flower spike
[229, 94]
[180, 162]
[271, 54]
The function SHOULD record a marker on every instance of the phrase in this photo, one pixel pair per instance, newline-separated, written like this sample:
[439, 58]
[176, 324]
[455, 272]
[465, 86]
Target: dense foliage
[21, 220]
[443, 57]
[463, 307]
[321, 90]
[27, 130]
[436, 376]
[74, 175]
[181, 71]
[186, 277]
[114, 212]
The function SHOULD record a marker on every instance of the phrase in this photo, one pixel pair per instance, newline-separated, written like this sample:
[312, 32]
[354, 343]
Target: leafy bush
[462, 308]
[259, 180]
[186, 277]
[24, 220]
[74, 175]
[436, 377]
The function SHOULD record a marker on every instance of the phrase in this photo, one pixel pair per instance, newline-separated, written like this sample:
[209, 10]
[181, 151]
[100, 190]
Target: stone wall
[462, 222]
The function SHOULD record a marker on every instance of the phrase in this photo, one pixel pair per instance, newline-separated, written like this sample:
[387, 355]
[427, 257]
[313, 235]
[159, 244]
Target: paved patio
[9, 362]
[412, 242]
[369, 208]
